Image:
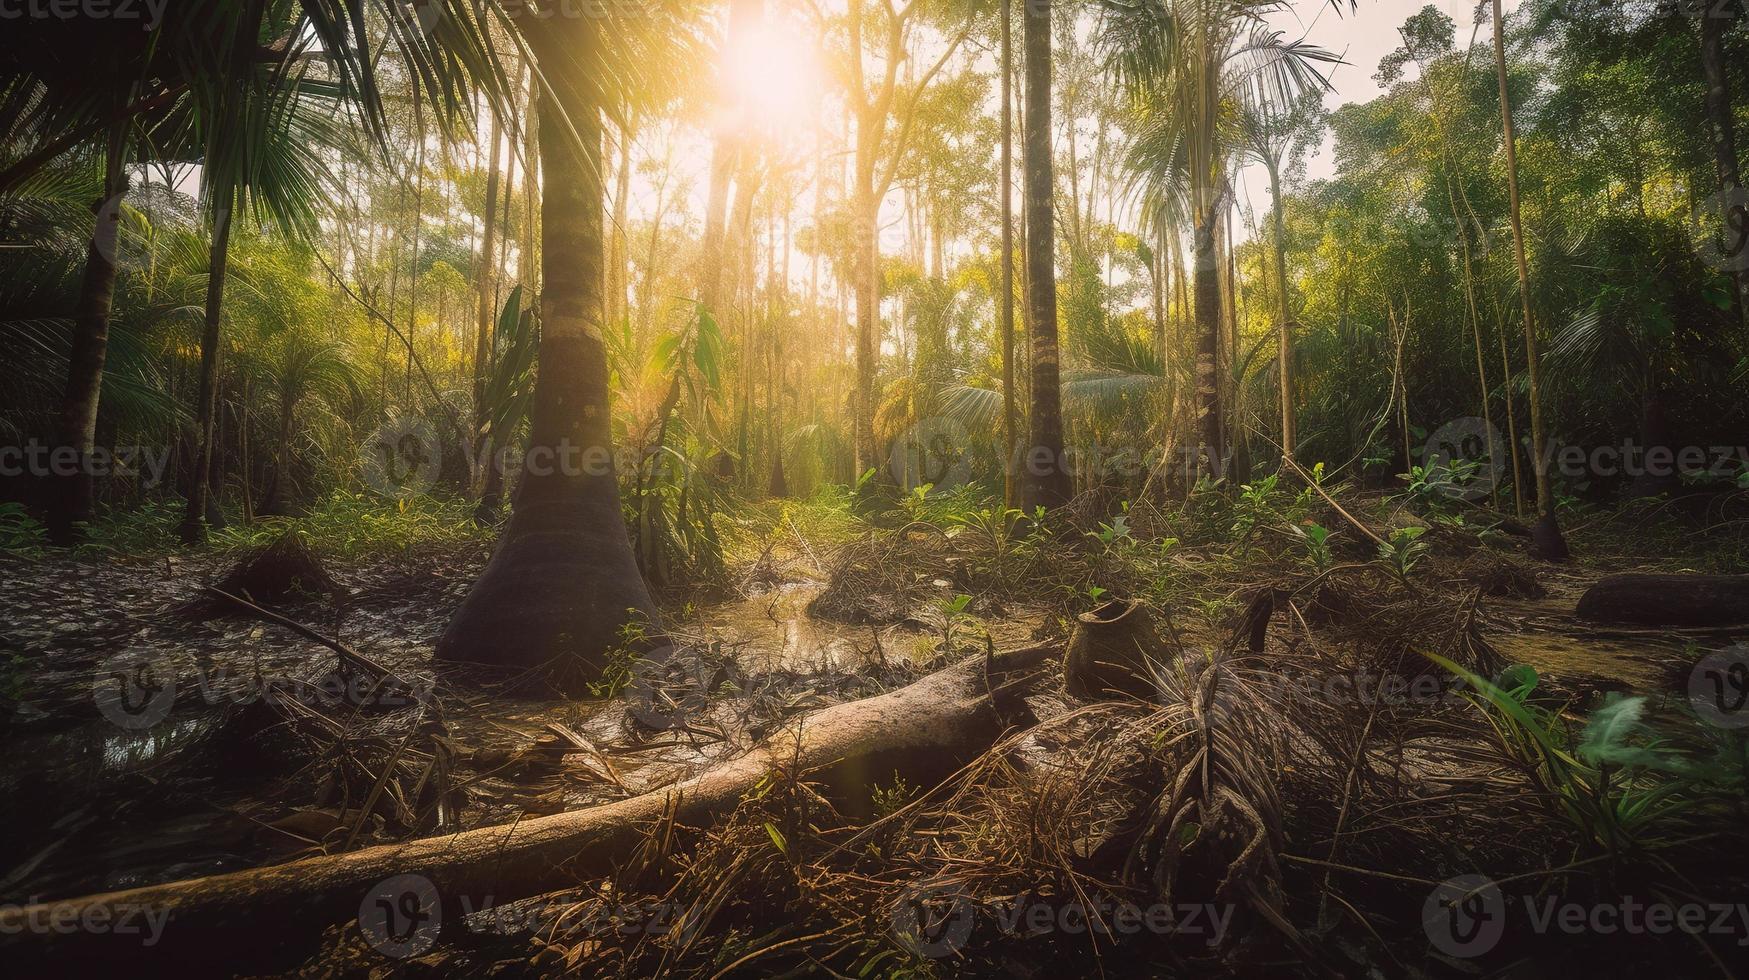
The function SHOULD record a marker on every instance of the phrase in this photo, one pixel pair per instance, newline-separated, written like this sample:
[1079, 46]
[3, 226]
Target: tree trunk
[1715, 20]
[194, 526]
[1010, 490]
[1668, 600]
[921, 733]
[1211, 430]
[1548, 542]
[563, 579]
[72, 503]
[275, 503]
[1044, 478]
[1285, 318]
[486, 310]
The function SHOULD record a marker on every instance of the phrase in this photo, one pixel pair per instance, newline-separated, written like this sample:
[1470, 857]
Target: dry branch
[920, 732]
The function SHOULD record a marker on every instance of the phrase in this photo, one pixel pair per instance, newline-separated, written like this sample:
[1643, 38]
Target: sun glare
[774, 78]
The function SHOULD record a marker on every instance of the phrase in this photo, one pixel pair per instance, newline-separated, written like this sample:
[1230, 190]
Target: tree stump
[1108, 652]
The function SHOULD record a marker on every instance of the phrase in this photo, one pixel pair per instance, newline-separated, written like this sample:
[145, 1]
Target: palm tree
[1188, 64]
[172, 89]
[1547, 541]
[1271, 135]
[563, 579]
[1044, 480]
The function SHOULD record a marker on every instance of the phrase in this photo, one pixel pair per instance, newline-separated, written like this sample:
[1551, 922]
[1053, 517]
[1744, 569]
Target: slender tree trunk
[563, 579]
[194, 526]
[1284, 318]
[1715, 20]
[486, 283]
[1010, 491]
[1044, 480]
[1210, 426]
[1548, 543]
[72, 503]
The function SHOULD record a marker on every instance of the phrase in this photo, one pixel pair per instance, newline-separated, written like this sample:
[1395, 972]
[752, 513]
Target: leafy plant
[1316, 538]
[1403, 551]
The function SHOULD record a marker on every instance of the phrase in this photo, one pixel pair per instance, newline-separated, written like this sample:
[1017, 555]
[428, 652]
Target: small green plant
[619, 665]
[1114, 534]
[20, 534]
[1316, 538]
[954, 619]
[888, 800]
[1403, 551]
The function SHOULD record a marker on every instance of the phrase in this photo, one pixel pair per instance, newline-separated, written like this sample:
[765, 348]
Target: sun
[774, 78]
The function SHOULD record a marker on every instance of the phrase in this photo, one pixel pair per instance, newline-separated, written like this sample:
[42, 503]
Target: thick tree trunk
[72, 503]
[563, 580]
[275, 915]
[1715, 20]
[1044, 477]
[194, 520]
[1548, 542]
[1668, 600]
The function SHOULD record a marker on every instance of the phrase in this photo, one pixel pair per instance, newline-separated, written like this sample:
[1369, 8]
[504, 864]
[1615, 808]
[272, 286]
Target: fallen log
[1668, 600]
[273, 917]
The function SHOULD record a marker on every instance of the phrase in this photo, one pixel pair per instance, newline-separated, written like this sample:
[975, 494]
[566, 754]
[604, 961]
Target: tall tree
[1189, 63]
[1715, 20]
[1547, 543]
[1010, 489]
[563, 579]
[874, 108]
[1044, 475]
[73, 502]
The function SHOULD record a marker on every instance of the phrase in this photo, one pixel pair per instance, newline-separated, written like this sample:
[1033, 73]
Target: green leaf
[777, 838]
